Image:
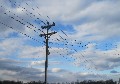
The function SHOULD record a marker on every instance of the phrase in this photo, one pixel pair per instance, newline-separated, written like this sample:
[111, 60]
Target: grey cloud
[114, 60]
[104, 65]
[23, 73]
[32, 74]
[113, 71]
[98, 61]
[9, 64]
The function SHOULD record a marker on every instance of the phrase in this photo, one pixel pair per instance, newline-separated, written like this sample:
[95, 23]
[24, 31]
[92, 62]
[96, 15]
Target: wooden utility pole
[47, 36]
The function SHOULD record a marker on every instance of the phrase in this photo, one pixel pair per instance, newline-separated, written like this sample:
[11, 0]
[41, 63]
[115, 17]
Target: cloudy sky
[86, 45]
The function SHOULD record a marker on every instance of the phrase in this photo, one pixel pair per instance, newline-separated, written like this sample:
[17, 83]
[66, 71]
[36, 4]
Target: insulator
[48, 52]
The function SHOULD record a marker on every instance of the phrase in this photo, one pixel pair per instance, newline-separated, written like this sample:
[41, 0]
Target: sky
[85, 47]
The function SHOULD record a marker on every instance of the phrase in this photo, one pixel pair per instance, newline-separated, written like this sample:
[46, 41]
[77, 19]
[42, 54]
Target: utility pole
[47, 36]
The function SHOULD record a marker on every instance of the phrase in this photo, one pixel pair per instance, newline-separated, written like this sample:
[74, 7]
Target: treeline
[97, 82]
[20, 82]
[83, 82]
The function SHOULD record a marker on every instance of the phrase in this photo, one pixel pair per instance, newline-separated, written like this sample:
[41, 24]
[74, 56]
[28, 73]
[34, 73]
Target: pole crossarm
[48, 26]
[48, 34]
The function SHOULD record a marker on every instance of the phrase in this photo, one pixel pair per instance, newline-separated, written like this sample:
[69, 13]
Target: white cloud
[85, 15]
[38, 63]
[9, 46]
[32, 52]
[56, 70]
[96, 58]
